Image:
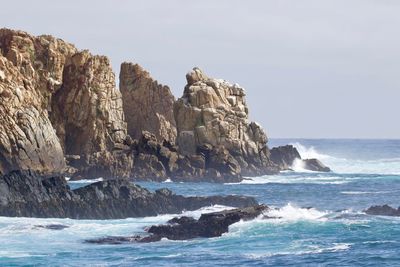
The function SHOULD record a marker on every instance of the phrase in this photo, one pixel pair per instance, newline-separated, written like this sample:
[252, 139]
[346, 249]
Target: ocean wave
[11, 226]
[366, 192]
[336, 247]
[290, 213]
[302, 178]
[386, 166]
[309, 152]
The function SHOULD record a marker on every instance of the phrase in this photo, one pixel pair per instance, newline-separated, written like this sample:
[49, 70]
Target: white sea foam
[87, 181]
[302, 178]
[309, 152]
[388, 166]
[290, 213]
[336, 247]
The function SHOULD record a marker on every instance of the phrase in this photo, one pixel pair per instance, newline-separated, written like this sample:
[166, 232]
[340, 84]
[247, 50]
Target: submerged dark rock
[52, 226]
[384, 210]
[24, 194]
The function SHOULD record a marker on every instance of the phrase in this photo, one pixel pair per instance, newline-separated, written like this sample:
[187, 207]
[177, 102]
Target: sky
[311, 69]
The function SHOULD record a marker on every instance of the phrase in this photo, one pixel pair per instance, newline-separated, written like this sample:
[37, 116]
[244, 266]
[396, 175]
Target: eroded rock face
[30, 72]
[57, 101]
[214, 112]
[148, 105]
[89, 119]
[89, 106]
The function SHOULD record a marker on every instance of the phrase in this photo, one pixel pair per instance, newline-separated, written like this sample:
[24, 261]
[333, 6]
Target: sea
[320, 219]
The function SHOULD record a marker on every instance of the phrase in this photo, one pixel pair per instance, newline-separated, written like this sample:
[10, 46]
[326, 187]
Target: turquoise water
[335, 232]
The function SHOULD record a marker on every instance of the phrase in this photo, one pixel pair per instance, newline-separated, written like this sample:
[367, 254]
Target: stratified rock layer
[148, 105]
[213, 113]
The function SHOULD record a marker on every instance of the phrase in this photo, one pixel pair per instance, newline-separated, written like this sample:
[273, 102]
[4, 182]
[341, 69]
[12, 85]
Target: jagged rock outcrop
[59, 105]
[287, 156]
[157, 161]
[56, 101]
[212, 224]
[30, 72]
[214, 113]
[24, 194]
[148, 105]
[284, 156]
[89, 119]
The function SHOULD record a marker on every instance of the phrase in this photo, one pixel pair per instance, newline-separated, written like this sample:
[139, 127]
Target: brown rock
[30, 72]
[148, 105]
[214, 112]
[88, 117]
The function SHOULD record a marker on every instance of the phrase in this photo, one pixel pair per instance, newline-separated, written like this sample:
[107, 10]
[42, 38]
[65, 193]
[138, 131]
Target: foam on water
[86, 181]
[335, 232]
[290, 213]
[348, 165]
[307, 249]
[300, 178]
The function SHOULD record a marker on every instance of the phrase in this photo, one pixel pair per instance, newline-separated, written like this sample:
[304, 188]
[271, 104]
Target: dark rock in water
[182, 228]
[114, 240]
[384, 210]
[208, 225]
[315, 165]
[52, 226]
[284, 156]
[24, 194]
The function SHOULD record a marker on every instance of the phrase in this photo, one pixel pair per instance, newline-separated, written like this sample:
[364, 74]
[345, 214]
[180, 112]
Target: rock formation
[213, 113]
[384, 210]
[27, 195]
[62, 113]
[148, 105]
[286, 156]
[30, 72]
[56, 101]
[88, 116]
[183, 228]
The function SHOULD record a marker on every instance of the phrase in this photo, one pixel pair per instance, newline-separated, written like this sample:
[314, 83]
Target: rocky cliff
[148, 105]
[88, 116]
[58, 101]
[62, 113]
[31, 71]
[212, 114]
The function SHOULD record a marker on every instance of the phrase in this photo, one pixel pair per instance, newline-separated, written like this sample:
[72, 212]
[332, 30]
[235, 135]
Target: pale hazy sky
[310, 68]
